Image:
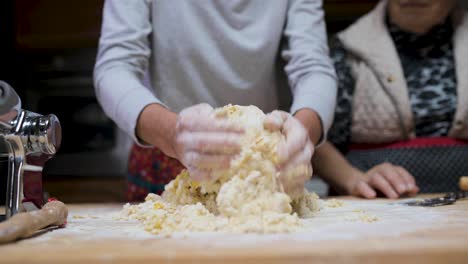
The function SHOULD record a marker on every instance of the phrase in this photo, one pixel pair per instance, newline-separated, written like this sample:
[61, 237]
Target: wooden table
[446, 242]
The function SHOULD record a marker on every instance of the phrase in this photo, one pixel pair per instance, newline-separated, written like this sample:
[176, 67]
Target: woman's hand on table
[202, 142]
[393, 181]
[294, 152]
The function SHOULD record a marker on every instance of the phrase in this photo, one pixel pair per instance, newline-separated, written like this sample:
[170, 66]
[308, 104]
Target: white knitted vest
[379, 101]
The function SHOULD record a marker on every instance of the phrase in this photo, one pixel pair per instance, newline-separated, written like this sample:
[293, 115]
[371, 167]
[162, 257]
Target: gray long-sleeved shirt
[212, 51]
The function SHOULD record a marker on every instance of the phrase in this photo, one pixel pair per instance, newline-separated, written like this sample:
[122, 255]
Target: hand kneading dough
[247, 197]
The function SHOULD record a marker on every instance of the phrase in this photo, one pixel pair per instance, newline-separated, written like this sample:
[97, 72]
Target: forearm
[333, 167]
[156, 126]
[311, 121]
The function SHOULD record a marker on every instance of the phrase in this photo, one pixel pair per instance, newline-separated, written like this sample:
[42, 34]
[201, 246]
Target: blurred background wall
[47, 50]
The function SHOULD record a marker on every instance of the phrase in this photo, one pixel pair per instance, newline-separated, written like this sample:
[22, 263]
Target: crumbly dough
[247, 197]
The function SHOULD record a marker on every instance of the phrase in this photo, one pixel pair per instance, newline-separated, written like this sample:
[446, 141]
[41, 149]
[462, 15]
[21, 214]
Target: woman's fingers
[393, 176]
[391, 180]
[210, 142]
[200, 175]
[295, 135]
[204, 142]
[302, 157]
[409, 180]
[200, 118]
[297, 171]
[275, 120]
[204, 161]
[363, 189]
[207, 124]
[294, 152]
[379, 182]
[296, 138]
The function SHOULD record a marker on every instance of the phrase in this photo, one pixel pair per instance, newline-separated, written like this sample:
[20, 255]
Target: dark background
[47, 53]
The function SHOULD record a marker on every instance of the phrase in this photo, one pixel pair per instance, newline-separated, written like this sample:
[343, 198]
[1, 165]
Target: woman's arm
[313, 84]
[333, 167]
[198, 140]
[309, 69]
[393, 181]
[122, 62]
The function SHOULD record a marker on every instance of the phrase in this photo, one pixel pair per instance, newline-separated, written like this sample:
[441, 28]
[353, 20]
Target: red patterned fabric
[412, 143]
[149, 170]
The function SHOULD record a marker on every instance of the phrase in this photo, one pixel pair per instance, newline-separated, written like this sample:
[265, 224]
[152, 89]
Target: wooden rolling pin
[22, 225]
[463, 183]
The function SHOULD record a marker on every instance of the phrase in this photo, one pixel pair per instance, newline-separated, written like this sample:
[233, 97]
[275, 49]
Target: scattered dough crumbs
[334, 203]
[246, 198]
[362, 216]
[365, 217]
[84, 216]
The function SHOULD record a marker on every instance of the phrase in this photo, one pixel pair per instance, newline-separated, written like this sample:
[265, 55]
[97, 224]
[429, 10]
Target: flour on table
[246, 198]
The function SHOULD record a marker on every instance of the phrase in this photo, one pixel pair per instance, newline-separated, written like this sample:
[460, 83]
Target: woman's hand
[202, 142]
[393, 181]
[294, 152]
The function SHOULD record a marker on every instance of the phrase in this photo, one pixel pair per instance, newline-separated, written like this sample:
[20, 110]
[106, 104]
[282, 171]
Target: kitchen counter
[401, 234]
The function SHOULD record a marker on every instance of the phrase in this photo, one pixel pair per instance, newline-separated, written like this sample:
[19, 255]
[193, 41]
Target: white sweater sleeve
[309, 68]
[122, 62]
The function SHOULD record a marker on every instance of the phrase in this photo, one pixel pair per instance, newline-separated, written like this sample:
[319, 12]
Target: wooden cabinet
[341, 13]
[57, 24]
[348, 8]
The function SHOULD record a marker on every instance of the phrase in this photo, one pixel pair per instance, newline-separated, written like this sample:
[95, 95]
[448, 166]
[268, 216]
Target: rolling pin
[23, 225]
[463, 183]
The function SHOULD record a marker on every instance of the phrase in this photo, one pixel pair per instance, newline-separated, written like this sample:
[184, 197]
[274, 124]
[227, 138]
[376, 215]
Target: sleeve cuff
[317, 92]
[129, 109]
[123, 96]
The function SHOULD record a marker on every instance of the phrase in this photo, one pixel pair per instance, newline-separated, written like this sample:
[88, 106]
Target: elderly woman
[402, 107]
